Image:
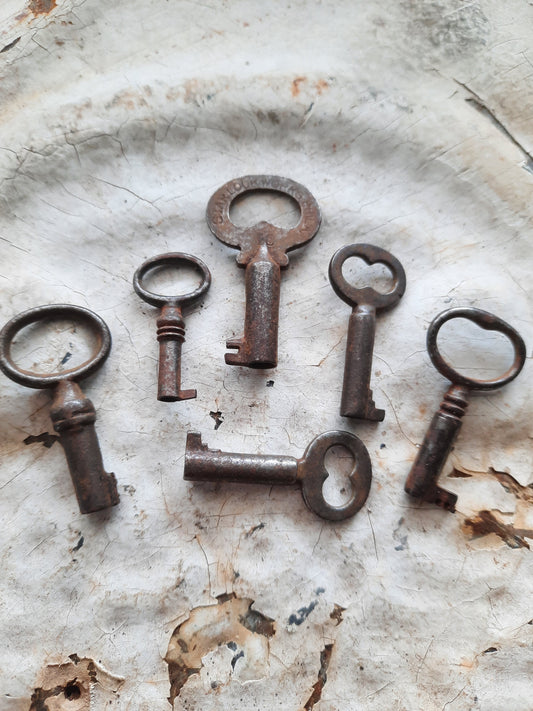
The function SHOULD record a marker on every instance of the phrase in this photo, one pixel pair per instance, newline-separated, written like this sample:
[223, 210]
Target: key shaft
[171, 335]
[357, 399]
[435, 449]
[258, 347]
[204, 464]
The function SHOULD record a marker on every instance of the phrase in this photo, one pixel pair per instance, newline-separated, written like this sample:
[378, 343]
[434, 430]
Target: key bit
[263, 253]
[170, 324]
[73, 415]
[204, 464]
[357, 401]
[446, 423]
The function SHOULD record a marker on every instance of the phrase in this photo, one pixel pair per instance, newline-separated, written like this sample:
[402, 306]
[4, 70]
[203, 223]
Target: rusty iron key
[263, 249]
[357, 399]
[446, 423]
[73, 415]
[204, 464]
[170, 324]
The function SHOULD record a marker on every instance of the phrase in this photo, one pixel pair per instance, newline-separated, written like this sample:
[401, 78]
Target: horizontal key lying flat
[204, 464]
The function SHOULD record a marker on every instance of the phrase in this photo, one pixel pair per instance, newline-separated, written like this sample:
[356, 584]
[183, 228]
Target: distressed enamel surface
[409, 123]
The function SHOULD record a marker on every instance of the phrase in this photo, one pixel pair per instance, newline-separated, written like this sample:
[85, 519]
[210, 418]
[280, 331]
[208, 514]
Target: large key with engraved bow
[263, 253]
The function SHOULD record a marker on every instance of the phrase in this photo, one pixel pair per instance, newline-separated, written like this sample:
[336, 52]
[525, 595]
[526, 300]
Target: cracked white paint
[118, 121]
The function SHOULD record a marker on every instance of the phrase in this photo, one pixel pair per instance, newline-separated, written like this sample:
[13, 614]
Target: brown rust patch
[321, 86]
[295, 86]
[336, 614]
[485, 522]
[41, 7]
[316, 694]
[232, 622]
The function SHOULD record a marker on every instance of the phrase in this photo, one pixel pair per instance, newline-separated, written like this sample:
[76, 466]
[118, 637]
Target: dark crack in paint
[78, 546]
[236, 658]
[316, 694]
[485, 522]
[254, 529]
[9, 46]
[217, 416]
[44, 438]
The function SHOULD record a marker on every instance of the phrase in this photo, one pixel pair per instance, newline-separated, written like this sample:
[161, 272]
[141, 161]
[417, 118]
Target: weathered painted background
[410, 122]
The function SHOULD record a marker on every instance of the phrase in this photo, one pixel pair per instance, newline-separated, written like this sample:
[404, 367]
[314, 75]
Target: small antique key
[446, 423]
[263, 249]
[170, 324]
[357, 399]
[72, 414]
[204, 464]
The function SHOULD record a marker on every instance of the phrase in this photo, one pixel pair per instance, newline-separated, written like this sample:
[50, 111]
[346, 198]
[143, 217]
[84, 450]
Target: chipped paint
[231, 622]
[78, 685]
[486, 523]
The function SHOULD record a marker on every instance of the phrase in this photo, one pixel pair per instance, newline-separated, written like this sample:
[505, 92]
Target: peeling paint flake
[231, 622]
[81, 680]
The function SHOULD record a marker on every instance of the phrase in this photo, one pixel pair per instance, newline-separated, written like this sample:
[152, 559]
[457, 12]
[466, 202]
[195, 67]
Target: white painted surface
[117, 124]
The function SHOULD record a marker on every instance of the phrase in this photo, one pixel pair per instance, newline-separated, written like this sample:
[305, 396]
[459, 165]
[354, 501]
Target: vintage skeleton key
[72, 414]
[263, 249]
[357, 399]
[170, 324]
[446, 423]
[204, 464]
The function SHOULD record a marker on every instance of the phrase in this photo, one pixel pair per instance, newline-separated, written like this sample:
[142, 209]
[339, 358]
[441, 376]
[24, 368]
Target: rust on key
[357, 401]
[446, 423]
[170, 324]
[72, 414]
[204, 464]
[263, 253]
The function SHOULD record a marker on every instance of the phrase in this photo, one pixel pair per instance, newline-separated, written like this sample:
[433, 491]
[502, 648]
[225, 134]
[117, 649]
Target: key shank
[357, 399]
[258, 347]
[438, 442]
[204, 464]
[73, 416]
[171, 335]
